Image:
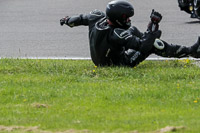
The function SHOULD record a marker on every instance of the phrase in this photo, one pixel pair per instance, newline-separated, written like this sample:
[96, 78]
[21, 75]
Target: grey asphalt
[30, 28]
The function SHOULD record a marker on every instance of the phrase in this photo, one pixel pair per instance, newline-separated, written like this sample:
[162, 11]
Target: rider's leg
[164, 49]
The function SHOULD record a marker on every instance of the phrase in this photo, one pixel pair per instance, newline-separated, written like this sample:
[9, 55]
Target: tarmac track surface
[30, 28]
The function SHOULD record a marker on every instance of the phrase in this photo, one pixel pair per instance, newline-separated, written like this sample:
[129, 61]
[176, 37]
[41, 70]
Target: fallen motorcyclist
[113, 41]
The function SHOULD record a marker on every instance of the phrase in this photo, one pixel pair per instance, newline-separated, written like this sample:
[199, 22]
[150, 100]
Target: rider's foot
[195, 49]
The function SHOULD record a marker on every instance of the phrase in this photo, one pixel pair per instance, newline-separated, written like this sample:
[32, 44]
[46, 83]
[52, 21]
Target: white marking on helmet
[159, 44]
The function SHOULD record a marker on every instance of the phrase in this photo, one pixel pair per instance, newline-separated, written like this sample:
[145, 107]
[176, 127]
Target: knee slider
[158, 44]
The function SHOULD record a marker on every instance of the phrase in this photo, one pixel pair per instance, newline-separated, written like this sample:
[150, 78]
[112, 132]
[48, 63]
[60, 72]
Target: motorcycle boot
[164, 49]
[195, 49]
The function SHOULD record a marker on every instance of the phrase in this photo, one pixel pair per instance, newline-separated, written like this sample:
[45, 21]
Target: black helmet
[118, 12]
[197, 7]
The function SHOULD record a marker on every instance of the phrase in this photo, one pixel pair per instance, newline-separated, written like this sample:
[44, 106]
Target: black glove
[153, 25]
[156, 17]
[64, 20]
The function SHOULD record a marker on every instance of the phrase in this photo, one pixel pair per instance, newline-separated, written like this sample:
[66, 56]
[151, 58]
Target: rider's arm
[74, 20]
[78, 20]
[134, 31]
[124, 38]
[82, 19]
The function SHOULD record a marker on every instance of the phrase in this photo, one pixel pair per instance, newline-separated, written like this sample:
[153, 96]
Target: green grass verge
[58, 95]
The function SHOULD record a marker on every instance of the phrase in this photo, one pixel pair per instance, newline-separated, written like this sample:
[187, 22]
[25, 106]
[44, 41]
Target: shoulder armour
[97, 13]
[122, 34]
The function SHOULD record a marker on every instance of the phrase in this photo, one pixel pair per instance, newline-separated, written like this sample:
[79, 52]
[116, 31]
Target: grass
[58, 95]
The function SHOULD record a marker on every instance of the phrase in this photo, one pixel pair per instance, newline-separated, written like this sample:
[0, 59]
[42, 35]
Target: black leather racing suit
[115, 46]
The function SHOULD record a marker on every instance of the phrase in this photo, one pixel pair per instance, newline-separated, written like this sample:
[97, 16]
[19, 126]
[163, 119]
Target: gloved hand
[156, 17]
[64, 20]
[153, 25]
